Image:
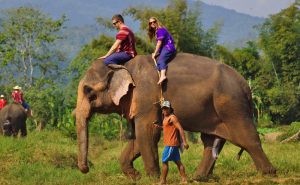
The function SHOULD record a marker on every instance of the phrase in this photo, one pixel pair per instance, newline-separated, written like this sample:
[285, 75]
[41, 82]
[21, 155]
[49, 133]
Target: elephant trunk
[82, 117]
[82, 138]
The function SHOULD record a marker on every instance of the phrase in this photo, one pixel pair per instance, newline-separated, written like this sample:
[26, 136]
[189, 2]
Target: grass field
[49, 157]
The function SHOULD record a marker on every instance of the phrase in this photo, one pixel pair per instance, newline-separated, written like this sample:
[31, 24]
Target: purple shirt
[167, 40]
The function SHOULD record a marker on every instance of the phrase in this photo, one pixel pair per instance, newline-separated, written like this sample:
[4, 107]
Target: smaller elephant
[12, 120]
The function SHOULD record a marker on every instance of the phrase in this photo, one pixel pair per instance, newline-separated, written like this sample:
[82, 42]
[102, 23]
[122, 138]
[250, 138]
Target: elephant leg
[15, 131]
[244, 134]
[128, 155]
[207, 164]
[147, 138]
[23, 130]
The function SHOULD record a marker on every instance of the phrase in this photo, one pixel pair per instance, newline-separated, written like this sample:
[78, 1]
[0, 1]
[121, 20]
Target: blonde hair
[152, 31]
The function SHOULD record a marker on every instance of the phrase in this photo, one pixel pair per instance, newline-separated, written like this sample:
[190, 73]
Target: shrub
[292, 129]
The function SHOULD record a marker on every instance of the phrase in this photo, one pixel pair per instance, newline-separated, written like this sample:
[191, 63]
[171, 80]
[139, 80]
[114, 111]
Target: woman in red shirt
[3, 101]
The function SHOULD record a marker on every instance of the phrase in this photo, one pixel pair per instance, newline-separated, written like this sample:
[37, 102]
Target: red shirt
[2, 103]
[171, 133]
[17, 96]
[128, 41]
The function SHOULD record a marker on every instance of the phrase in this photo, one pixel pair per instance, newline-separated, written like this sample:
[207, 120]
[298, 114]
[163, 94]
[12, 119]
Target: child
[170, 127]
[3, 101]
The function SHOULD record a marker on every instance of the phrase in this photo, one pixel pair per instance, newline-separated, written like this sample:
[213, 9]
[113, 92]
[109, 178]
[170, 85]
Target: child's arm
[181, 131]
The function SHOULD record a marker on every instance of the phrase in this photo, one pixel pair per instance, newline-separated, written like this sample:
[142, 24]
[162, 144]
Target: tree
[27, 47]
[184, 25]
[245, 60]
[30, 57]
[279, 41]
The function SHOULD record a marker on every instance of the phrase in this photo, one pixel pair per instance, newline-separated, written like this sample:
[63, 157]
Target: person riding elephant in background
[172, 131]
[3, 101]
[165, 47]
[124, 47]
[17, 96]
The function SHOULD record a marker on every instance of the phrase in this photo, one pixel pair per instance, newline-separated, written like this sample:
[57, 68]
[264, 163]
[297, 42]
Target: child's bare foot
[161, 79]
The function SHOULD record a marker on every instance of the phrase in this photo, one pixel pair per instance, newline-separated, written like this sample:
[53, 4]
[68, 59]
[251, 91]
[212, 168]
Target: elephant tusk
[238, 156]
[6, 123]
[215, 148]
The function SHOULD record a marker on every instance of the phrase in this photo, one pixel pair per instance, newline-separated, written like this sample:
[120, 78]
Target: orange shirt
[171, 133]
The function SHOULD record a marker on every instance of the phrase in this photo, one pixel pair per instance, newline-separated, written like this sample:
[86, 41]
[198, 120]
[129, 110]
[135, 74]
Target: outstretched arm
[158, 45]
[112, 49]
[181, 131]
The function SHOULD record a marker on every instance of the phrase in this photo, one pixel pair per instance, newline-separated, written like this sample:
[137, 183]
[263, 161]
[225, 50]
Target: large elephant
[207, 96]
[12, 120]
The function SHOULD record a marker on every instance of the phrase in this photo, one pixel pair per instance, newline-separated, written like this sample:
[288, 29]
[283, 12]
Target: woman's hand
[103, 57]
[153, 56]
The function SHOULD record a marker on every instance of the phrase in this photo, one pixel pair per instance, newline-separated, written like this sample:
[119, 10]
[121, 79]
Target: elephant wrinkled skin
[12, 120]
[207, 96]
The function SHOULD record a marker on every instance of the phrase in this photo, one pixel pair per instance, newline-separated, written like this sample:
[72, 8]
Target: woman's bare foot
[161, 79]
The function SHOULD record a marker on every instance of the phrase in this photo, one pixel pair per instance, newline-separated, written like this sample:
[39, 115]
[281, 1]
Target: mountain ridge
[236, 30]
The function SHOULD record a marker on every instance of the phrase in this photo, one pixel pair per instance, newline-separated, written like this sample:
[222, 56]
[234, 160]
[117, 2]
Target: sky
[260, 8]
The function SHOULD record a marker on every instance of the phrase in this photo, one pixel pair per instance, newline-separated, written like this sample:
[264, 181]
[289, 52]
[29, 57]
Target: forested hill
[236, 28]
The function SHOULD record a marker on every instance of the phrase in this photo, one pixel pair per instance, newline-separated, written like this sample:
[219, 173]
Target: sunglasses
[152, 22]
[114, 23]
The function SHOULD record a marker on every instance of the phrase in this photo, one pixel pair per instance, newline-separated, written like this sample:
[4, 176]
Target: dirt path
[271, 137]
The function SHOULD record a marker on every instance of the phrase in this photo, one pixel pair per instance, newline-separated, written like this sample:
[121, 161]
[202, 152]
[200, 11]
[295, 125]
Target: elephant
[12, 120]
[208, 97]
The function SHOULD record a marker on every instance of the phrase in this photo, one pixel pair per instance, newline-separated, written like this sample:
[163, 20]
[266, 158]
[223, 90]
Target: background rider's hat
[1, 96]
[166, 104]
[17, 87]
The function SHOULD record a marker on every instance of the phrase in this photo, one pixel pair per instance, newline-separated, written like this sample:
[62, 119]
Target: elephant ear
[120, 82]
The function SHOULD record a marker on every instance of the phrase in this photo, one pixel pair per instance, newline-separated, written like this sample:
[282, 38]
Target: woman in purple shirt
[165, 47]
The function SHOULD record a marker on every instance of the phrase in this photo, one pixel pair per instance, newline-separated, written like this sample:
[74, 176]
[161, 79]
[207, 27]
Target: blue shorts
[170, 153]
[117, 58]
[164, 58]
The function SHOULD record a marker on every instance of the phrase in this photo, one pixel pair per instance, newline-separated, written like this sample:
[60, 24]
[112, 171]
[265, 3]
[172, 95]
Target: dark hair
[118, 17]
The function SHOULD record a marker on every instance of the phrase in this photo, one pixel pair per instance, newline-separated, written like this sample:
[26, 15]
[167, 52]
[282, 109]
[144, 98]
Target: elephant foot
[269, 171]
[208, 178]
[133, 174]
[201, 178]
[83, 168]
[154, 173]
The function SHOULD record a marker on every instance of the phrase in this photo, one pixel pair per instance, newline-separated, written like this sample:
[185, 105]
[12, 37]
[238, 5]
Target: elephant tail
[238, 156]
[248, 94]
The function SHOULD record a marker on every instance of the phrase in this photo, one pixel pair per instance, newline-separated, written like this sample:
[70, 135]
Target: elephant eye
[87, 89]
[90, 93]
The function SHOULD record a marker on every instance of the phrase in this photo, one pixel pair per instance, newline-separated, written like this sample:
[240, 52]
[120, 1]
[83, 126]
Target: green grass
[49, 157]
